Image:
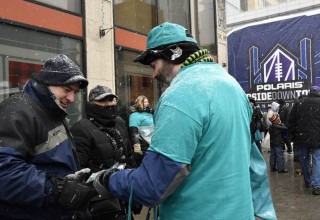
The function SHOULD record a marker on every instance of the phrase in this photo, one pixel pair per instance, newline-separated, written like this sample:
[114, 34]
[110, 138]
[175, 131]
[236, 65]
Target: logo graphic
[176, 53]
[280, 65]
[281, 74]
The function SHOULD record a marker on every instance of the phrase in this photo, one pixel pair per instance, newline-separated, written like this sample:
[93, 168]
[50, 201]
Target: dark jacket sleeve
[152, 182]
[83, 142]
[292, 120]
[281, 127]
[284, 114]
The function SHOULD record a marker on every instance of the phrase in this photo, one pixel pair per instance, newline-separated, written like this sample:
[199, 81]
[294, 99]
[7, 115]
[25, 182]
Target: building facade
[102, 37]
[242, 13]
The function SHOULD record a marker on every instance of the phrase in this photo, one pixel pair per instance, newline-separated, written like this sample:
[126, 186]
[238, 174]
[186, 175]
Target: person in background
[284, 113]
[266, 120]
[101, 140]
[265, 144]
[39, 177]
[276, 142]
[304, 128]
[295, 149]
[255, 123]
[199, 156]
[141, 126]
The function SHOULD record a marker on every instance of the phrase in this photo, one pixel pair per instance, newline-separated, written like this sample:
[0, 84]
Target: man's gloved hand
[71, 193]
[81, 175]
[101, 181]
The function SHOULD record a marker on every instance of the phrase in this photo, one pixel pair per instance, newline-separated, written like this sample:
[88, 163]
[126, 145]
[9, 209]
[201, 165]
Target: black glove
[105, 176]
[81, 175]
[71, 193]
[101, 181]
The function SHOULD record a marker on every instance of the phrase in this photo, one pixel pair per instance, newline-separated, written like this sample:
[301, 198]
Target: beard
[165, 76]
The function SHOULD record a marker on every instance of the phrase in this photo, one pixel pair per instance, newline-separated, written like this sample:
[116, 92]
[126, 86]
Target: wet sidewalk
[292, 200]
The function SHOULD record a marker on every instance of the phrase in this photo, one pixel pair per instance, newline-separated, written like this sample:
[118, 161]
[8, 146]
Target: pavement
[291, 199]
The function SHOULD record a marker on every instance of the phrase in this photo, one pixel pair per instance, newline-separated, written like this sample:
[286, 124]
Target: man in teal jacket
[198, 162]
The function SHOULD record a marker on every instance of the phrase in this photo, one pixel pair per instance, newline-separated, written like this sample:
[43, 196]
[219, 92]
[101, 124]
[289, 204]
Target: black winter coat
[276, 134]
[304, 123]
[284, 113]
[101, 140]
[95, 148]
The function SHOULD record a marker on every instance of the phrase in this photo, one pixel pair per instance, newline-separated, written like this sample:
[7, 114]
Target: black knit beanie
[60, 70]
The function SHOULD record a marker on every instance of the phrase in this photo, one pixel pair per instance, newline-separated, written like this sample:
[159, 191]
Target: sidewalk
[292, 200]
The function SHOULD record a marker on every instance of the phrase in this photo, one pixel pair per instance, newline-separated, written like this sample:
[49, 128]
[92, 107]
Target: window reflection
[135, 15]
[68, 5]
[132, 80]
[143, 15]
[20, 72]
[175, 12]
[205, 30]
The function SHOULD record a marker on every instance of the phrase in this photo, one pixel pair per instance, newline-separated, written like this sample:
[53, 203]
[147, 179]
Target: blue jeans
[304, 157]
[276, 158]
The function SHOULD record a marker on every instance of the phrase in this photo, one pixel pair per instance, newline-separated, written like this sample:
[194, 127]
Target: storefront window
[136, 15]
[23, 52]
[132, 80]
[205, 28]
[175, 12]
[68, 5]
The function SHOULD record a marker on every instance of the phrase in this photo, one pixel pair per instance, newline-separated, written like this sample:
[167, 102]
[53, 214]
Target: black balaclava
[104, 115]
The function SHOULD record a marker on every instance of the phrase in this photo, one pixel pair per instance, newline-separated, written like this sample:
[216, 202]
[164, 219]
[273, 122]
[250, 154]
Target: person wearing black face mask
[101, 140]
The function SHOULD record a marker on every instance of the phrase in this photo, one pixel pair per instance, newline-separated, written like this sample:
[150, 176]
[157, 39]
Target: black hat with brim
[168, 52]
[147, 57]
[99, 92]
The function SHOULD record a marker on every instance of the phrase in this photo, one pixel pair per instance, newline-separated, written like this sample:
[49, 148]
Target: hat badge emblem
[176, 53]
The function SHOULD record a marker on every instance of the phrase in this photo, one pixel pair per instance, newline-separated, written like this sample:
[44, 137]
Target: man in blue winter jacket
[38, 178]
[198, 162]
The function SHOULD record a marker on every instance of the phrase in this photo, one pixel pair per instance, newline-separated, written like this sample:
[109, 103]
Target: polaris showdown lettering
[286, 91]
